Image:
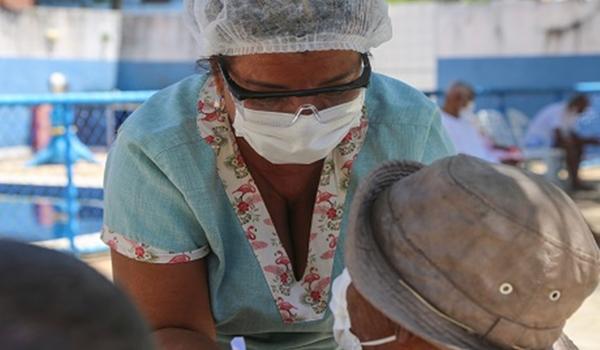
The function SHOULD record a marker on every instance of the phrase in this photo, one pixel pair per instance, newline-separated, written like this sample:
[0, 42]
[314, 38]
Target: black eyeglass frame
[242, 94]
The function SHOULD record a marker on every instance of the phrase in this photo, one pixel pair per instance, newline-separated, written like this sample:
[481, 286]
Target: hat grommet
[555, 295]
[506, 289]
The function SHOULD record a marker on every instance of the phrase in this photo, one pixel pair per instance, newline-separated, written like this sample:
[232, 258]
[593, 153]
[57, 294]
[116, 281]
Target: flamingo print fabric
[146, 253]
[306, 299]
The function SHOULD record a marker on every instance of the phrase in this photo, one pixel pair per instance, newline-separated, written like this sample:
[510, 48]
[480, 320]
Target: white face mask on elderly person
[468, 111]
[342, 325]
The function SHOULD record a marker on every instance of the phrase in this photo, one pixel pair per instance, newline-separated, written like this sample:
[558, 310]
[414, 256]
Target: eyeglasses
[242, 94]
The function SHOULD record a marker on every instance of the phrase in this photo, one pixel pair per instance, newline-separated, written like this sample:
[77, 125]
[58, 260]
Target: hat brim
[372, 275]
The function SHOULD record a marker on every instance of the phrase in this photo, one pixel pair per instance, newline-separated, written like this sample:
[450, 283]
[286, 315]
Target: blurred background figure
[49, 300]
[460, 122]
[458, 107]
[555, 127]
[16, 5]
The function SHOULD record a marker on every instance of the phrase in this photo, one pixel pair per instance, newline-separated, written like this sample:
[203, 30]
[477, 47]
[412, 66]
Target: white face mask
[468, 110]
[341, 324]
[297, 138]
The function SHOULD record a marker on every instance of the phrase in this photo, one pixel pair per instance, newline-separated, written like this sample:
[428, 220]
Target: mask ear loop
[402, 336]
[382, 341]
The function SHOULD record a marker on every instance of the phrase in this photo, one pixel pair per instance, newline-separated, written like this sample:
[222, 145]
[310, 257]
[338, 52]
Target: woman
[226, 194]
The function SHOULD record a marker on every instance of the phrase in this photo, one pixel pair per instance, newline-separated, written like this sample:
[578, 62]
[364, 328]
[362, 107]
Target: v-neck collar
[306, 299]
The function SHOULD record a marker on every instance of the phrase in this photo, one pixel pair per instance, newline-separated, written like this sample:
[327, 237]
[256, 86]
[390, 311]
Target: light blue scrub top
[162, 189]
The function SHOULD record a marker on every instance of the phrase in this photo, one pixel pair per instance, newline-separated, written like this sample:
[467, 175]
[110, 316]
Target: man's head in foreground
[462, 255]
[49, 300]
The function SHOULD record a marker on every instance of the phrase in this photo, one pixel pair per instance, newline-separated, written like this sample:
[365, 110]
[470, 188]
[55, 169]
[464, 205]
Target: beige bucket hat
[469, 255]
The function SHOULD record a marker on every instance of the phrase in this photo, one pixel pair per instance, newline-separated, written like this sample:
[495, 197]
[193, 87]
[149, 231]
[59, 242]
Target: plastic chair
[495, 127]
[511, 131]
[519, 123]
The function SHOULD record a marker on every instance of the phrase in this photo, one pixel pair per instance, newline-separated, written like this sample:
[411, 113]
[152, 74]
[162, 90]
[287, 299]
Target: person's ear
[226, 101]
[218, 76]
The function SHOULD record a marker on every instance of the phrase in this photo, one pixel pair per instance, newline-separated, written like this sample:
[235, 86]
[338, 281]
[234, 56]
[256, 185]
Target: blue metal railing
[76, 98]
[64, 107]
[591, 87]
[65, 146]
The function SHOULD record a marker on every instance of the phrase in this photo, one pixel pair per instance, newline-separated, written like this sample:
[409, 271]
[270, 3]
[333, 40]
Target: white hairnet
[243, 27]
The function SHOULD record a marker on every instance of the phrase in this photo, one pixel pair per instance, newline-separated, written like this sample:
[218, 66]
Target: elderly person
[556, 126]
[458, 108]
[459, 121]
[462, 255]
[226, 194]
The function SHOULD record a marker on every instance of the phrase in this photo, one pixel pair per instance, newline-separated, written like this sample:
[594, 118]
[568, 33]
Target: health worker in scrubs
[227, 194]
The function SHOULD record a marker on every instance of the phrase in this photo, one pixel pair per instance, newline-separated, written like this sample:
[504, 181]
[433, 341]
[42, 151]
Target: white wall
[411, 55]
[423, 33]
[508, 28]
[157, 37]
[60, 33]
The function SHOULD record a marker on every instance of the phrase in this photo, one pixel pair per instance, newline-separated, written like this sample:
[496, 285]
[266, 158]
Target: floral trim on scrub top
[145, 253]
[297, 301]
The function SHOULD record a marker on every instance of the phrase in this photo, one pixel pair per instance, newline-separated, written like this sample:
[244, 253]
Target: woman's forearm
[183, 339]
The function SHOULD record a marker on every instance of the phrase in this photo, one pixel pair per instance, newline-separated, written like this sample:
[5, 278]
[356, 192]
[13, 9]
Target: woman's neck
[290, 181]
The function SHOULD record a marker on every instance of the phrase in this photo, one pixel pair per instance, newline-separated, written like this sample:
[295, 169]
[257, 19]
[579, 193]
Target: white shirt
[552, 117]
[466, 138]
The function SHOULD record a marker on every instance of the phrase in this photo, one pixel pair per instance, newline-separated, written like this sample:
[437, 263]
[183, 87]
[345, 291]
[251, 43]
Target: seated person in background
[462, 254]
[554, 126]
[459, 106]
[49, 301]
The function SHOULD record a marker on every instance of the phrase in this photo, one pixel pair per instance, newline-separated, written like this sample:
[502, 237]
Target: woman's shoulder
[391, 101]
[166, 117]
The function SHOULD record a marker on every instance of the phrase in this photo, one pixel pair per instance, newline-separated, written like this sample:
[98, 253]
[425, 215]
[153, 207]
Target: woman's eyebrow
[266, 85]
[338, 78]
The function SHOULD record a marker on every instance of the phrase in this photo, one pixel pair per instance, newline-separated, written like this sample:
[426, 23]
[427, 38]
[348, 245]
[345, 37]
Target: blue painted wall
[158, 6]
[25, 75]
[164, 5]
[561, 72]
[136, 75]
[31, 75]
[21, 75]
[15, 126]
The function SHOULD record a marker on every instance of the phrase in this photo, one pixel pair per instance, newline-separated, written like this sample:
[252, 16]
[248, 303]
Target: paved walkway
[14, 170]
[584, 326]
